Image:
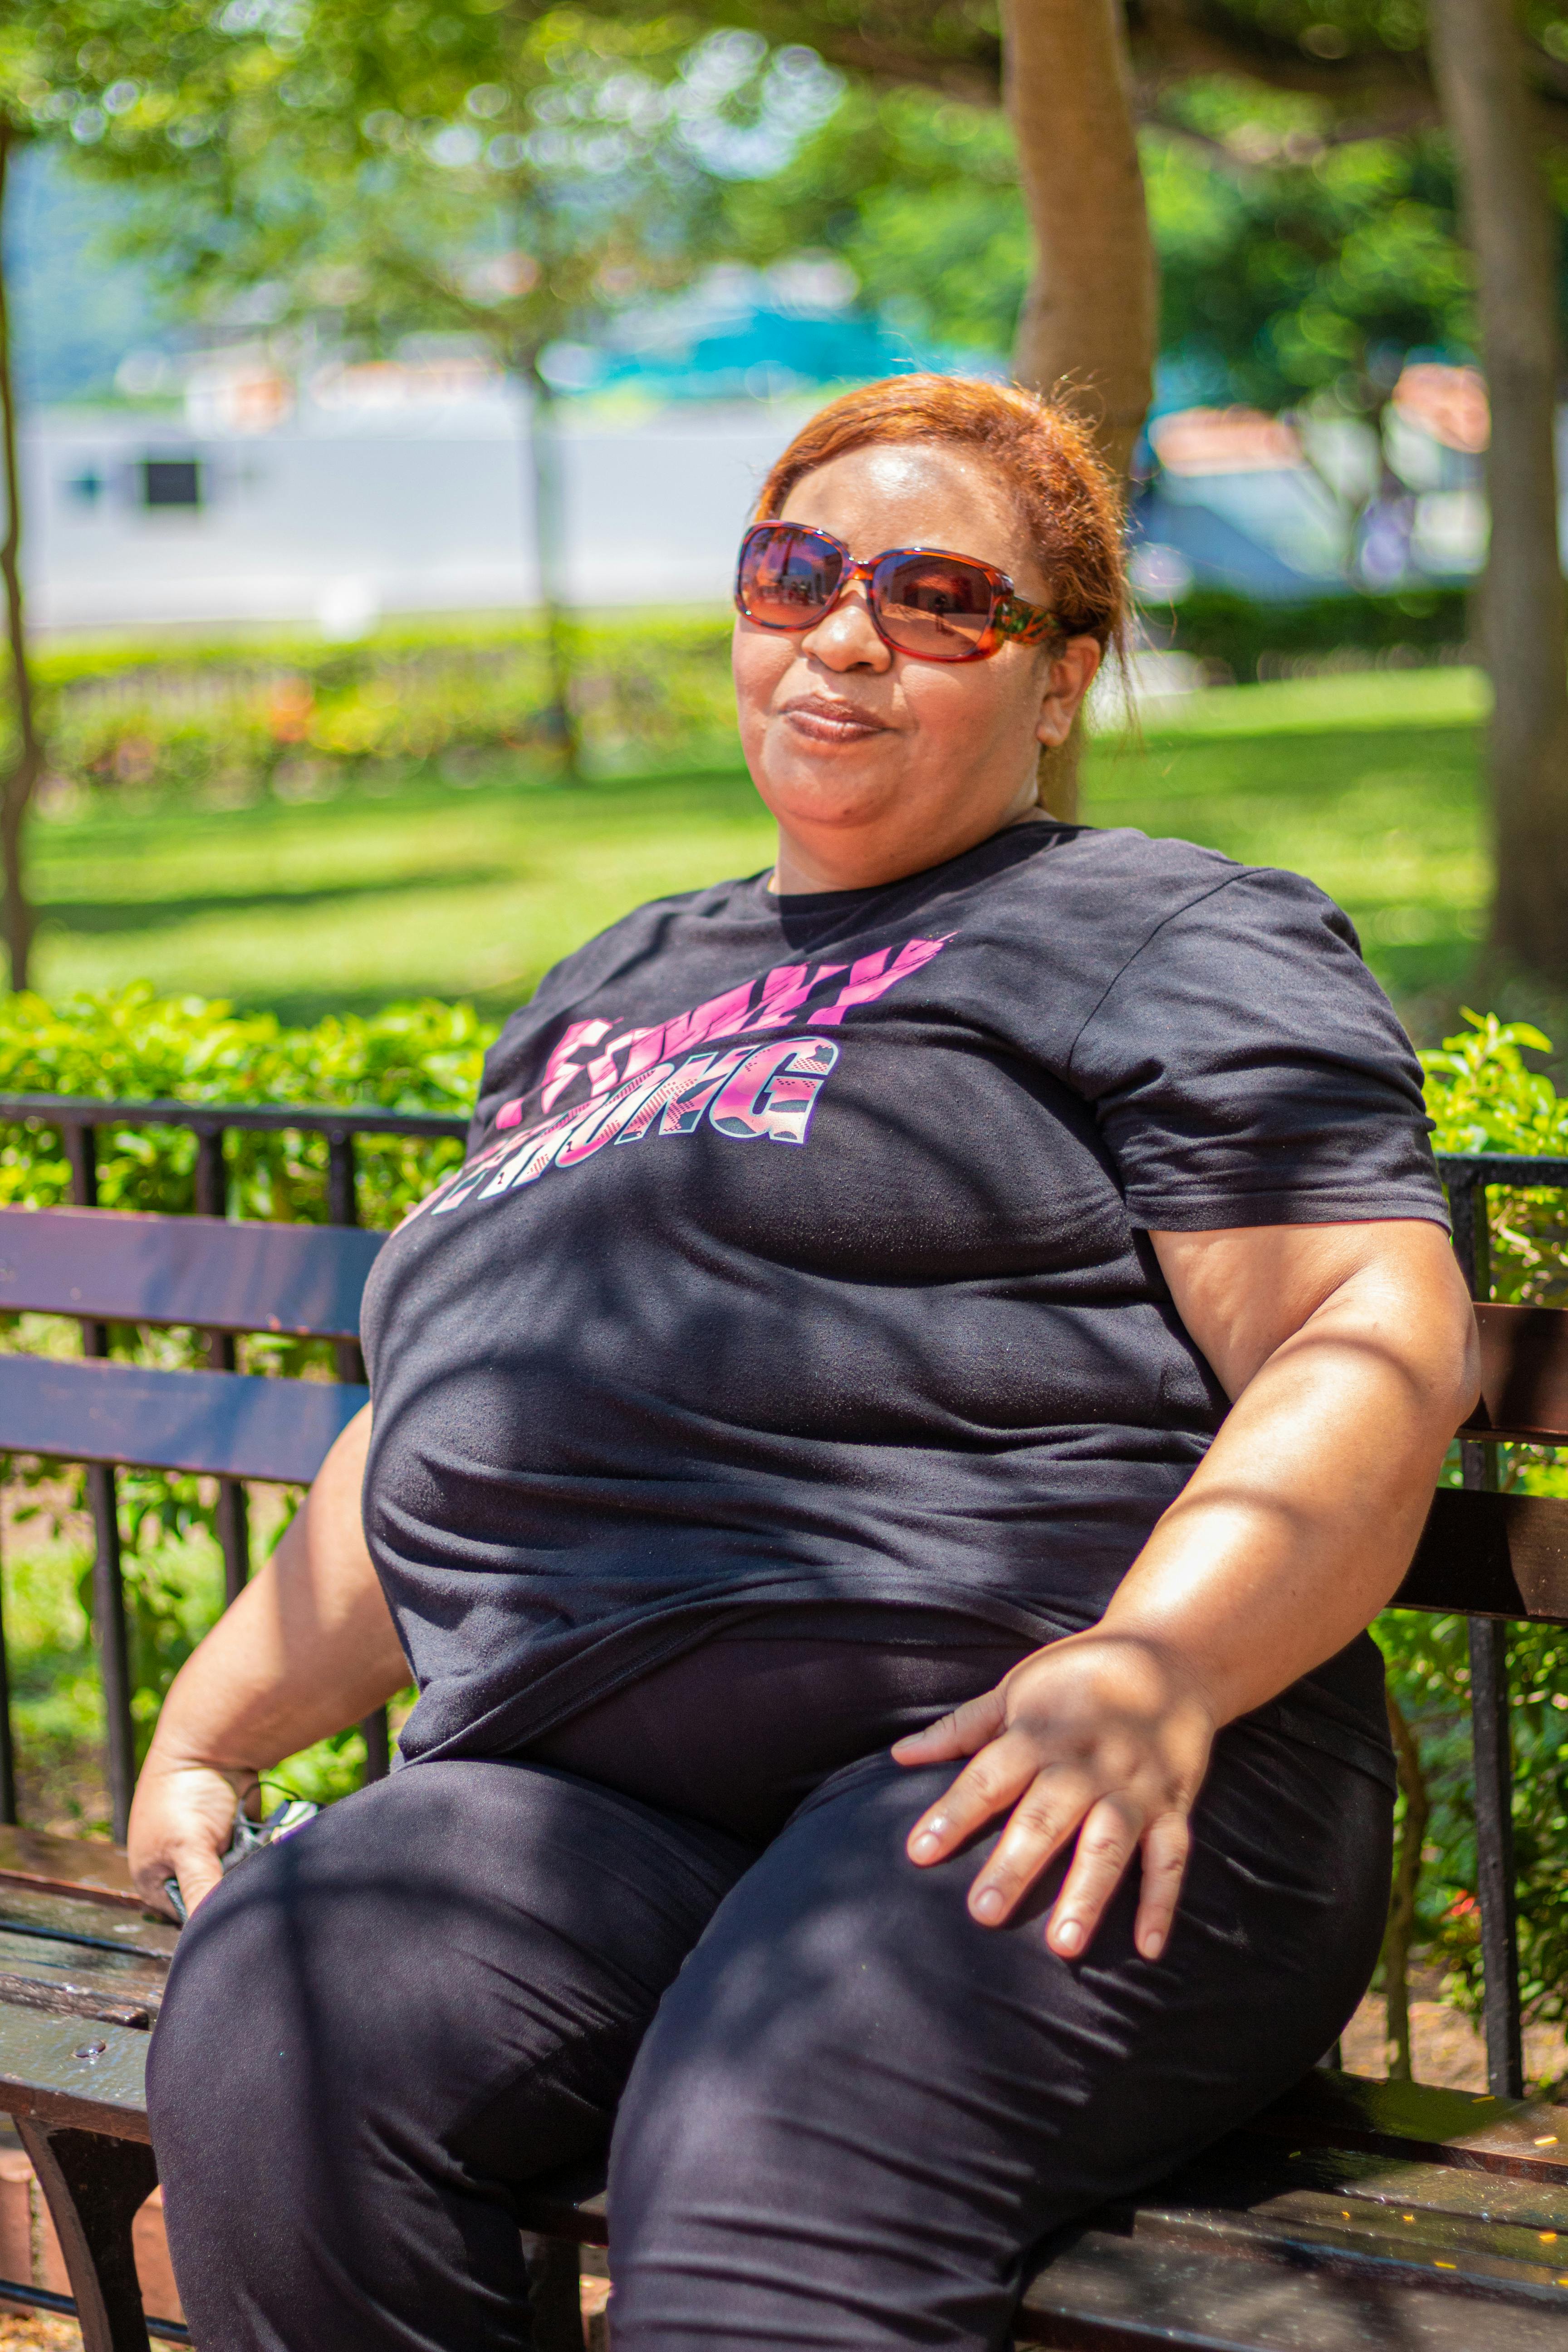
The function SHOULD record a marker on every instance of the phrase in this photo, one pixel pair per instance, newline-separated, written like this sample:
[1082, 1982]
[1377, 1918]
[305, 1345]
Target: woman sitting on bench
[882, 1464]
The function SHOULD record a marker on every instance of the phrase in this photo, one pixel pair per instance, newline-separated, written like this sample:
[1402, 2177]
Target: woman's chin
[827, 806]
[829, 783]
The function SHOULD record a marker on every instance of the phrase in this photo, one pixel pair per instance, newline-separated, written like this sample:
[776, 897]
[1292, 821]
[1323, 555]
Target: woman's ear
[1068, 680]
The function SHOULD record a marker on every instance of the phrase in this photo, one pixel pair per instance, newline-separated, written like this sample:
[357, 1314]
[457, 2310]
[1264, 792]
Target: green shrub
[1484, 1097]
[230, 721]
[131, 1045]
[1246, 640]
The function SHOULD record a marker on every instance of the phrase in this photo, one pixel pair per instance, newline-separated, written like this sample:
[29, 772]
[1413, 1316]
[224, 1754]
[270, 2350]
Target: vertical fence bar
[81, 1152]
[8, 1814]
[233, 1510]
[342, 1192]
[212, 1177]
[1491, 1746]
[343, 1209]
[107, 1590]
[114, 1649]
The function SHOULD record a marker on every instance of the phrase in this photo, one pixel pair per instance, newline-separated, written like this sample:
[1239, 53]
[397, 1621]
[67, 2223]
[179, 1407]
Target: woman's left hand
[1106, 1733]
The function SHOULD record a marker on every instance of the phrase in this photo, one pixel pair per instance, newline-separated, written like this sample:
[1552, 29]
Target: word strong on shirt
[638, 1087]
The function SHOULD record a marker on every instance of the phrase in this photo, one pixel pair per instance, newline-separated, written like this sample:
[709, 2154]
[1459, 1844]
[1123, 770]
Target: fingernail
[1067, 1936]
[1153, 1945]
[925, 1847]
[988, 1904]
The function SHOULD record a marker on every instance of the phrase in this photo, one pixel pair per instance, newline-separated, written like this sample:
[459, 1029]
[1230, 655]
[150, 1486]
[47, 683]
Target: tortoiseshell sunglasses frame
[1012, 620]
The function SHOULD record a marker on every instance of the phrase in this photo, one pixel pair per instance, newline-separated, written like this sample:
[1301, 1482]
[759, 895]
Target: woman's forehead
[903, 494]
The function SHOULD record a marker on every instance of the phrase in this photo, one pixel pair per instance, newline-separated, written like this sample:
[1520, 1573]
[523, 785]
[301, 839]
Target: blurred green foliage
[131, 1045]
[1484, 1096]
[229, 720]
[1251, 640]
[1293, 262]
[225, 722]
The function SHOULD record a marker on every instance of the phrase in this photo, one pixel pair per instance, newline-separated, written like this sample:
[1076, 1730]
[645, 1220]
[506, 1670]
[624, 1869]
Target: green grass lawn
[1369, 783]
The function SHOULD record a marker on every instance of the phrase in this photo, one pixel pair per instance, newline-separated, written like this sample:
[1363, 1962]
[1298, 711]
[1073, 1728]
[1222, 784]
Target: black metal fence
[1466, 1177]
[1468, 1180]
[79, 1121]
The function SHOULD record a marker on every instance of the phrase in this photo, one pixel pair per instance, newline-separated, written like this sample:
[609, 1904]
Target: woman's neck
[801, 873]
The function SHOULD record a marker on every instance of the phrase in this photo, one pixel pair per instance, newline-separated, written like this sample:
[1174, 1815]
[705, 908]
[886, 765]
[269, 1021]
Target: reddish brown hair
[1065, 496]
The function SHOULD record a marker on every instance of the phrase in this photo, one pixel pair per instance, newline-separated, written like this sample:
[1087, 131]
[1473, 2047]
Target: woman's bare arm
[1350, 1353]
[307, 1648]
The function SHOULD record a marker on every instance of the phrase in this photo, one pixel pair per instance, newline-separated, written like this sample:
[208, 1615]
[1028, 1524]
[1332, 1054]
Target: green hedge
[1485, 1098]
[1247, 640]
[231, 719]
[128, 1045]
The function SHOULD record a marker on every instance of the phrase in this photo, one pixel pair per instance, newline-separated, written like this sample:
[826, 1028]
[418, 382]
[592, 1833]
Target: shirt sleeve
[1246, 1069]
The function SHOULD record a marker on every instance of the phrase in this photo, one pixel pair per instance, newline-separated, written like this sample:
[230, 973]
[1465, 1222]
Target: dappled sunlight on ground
[1447, 2048]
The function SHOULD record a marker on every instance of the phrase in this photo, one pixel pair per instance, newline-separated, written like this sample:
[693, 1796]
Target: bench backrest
[1486, 1555]
[209, 1273]
[104, 1267]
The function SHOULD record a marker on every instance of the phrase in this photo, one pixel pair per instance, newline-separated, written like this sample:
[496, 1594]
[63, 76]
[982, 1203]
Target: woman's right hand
[307, 1647]
[182, 1821]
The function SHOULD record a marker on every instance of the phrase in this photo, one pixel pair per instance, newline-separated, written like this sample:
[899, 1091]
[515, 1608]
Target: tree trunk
[1089, 321]
[1089, 326]
[21, 780]
[548, 544]
[1478, 62]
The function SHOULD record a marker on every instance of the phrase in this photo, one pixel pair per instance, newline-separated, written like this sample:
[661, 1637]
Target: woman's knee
[847, 2028]
[398, 1965]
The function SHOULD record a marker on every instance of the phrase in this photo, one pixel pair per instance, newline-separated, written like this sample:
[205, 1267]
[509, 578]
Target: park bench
[1351, 2214]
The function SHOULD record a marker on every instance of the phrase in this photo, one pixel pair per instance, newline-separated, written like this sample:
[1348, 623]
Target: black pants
[843, 2112]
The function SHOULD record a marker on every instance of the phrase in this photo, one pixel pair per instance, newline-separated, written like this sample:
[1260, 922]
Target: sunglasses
[922, 601]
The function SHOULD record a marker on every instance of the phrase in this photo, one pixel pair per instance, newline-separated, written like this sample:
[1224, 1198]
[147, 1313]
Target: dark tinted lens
[937, 606]
[787, 575]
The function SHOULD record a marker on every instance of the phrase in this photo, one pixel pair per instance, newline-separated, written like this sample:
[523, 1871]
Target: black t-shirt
[802, 1257]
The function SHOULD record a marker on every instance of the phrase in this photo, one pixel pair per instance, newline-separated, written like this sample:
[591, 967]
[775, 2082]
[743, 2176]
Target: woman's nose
[846, 638]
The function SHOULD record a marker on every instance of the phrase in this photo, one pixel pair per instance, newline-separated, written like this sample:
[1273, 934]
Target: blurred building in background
[378, 487]
[342, 489]
[1276, 507]
[270, 479]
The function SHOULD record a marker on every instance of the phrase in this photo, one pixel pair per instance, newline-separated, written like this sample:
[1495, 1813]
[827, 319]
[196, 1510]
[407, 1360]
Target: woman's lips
[824, 721]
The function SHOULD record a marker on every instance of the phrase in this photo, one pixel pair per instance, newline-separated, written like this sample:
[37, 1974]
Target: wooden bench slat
[1108, 2292]
[1405, 2185]
[51, 1959]
[1524, 2138]
[222, 1425]
[1486, 2226]
[1491, 1556]
[117, 1266]
[98, 2004]
[1524, 1374]
[36, 1911]
[1344, 2223]
[42, 2077]
[89, 1867]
